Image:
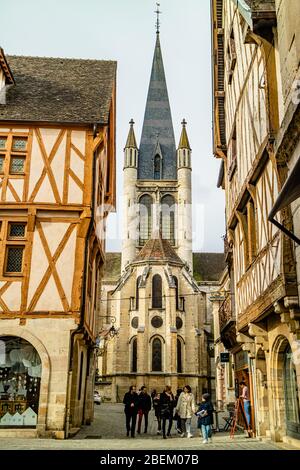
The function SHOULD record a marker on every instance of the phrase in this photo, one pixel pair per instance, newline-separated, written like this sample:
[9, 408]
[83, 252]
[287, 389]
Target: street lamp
[105, 334]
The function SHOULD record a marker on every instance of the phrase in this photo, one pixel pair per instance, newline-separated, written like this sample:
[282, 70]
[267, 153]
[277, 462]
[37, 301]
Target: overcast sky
[124, 30]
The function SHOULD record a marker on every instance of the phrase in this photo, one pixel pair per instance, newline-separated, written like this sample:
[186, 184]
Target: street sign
[224, 357]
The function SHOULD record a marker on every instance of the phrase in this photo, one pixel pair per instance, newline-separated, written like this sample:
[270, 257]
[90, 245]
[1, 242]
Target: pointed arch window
[176, 292]
[134, 355]
[167, 218]
[179, 356]
[156, 355]
[156, 291]
[145, 218]
[157, 167]
[137, 299]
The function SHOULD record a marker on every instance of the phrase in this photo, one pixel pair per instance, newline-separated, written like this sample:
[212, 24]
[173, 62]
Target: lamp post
[106, 334]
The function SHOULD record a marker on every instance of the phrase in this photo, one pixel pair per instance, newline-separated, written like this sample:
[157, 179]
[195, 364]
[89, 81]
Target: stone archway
[20, 332]
[286, 408]
[263, 414]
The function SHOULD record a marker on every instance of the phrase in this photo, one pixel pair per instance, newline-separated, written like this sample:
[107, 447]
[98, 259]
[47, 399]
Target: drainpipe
[80, 328]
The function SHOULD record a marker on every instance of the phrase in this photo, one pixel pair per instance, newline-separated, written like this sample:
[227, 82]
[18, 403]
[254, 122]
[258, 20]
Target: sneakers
[183, 434]
[158, 433]
[189, 434]
[205, 441]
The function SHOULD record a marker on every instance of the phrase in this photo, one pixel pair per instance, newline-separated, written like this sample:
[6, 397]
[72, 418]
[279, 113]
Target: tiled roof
[59, 90]
[158, 249]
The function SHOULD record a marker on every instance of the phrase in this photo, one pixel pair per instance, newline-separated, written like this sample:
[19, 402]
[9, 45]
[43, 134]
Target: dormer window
[6, 77]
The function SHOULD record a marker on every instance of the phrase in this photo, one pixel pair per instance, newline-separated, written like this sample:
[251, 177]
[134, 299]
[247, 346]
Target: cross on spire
[158, 12]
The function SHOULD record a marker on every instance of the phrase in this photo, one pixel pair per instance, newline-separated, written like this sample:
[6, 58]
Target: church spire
[131, 142]
[157, 126]
[184, 140]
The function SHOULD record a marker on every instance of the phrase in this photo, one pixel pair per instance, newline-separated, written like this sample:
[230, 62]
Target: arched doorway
[286, 408]
[263, 414]
[20, 382]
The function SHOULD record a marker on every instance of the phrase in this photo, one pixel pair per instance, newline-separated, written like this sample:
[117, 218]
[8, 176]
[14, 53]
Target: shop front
[243, 374]
[20, 379]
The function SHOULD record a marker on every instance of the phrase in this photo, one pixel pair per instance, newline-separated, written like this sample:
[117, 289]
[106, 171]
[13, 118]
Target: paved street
[108, 432]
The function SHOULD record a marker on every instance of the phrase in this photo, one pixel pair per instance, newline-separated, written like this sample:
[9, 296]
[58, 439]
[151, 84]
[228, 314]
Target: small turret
[184, 149]
[184, 198]
[131, 150]
[129, 198]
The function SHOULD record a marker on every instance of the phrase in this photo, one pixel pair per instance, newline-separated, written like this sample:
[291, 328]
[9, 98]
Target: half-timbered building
[57, 173]
[256, 45]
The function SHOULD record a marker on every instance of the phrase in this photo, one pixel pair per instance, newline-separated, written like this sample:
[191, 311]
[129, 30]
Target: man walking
[144, 406]
[130, 401]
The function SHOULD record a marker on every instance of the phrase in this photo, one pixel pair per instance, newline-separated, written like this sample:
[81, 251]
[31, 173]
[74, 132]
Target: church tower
[157, 178]
[158, 307]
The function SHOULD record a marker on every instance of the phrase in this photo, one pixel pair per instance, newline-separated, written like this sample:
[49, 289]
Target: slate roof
[208, 266]
[158, 249]
[157, 126]
[60, 90]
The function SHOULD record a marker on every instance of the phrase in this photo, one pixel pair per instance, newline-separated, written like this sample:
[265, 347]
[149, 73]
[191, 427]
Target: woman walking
[186, 408]
[167, 403]
[205, 417]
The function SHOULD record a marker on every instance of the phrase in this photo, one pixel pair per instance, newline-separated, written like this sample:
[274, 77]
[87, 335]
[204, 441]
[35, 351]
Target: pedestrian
[176, 415]
[167, 403]
[130, 401]
[205, 417]
[144, 406]
[156, 407]
[246, 401]
[186, 408]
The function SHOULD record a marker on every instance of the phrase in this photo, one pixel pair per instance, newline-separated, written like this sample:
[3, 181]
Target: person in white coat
[186, 408]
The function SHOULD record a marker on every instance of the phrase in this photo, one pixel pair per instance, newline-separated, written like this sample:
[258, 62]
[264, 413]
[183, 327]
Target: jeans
[141, 413]
[206, 431]
[164, 422]
[186, 425]
[247, 411]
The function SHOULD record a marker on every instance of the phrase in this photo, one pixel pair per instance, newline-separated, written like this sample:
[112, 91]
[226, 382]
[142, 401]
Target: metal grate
[17, 230]
[3, 142]
[19, 144]
[14, 259]
[17, 165]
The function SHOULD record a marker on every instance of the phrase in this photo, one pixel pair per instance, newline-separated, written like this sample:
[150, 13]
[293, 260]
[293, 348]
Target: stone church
[161, 312]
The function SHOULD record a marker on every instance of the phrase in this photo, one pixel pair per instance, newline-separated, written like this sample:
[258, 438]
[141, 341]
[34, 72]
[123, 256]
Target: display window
[20, 379]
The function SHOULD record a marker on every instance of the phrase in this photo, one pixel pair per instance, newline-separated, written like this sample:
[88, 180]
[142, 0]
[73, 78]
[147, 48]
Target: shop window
[20, 377]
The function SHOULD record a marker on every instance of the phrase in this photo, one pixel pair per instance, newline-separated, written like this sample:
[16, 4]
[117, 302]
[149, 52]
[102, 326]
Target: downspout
[80, 328]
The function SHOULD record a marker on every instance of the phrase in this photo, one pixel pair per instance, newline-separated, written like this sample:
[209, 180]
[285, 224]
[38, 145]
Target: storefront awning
[289, 193]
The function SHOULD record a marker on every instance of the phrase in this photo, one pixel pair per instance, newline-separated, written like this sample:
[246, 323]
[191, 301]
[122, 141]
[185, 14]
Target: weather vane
[158, 12]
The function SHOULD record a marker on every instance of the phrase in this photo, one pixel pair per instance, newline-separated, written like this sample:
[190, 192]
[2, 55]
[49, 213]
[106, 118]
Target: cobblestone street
[108, 433]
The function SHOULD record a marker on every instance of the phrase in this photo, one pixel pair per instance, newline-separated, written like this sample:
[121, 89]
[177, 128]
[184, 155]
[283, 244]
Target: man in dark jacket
[130, 401]
[144, 406]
